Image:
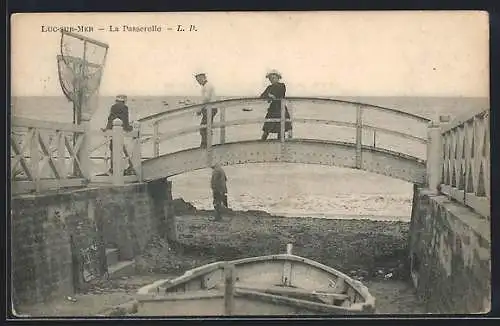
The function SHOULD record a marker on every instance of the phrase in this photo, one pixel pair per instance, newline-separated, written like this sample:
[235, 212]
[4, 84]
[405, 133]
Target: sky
[318, 53]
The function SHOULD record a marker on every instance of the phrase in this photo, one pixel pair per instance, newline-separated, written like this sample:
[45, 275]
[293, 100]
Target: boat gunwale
[248, 294]
[369, 300]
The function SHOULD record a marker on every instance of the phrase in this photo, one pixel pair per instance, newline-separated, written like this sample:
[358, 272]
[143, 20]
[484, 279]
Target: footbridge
[326, 131]
[451, 156]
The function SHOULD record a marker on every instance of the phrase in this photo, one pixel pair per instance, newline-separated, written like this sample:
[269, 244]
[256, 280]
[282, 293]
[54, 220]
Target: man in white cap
[119, 110]
[219, 189]
[208, 95]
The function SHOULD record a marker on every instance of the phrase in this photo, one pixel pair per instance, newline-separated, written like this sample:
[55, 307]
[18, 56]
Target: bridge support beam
[434, 157]
[161, 192]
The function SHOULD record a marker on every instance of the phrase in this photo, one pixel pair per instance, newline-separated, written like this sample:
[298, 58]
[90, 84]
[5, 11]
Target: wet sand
[307, 190]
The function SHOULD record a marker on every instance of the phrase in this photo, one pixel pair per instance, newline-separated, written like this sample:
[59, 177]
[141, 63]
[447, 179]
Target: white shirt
[207, 93]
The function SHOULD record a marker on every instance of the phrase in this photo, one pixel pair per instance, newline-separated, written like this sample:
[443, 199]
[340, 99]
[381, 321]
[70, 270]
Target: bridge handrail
[462, 119]
[20, 122]
[242, 100]
[465, 160]
[33, 149]
[193, 129]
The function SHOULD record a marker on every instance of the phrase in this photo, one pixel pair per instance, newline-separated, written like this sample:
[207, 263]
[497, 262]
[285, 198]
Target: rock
[130, 307]
[71, 299]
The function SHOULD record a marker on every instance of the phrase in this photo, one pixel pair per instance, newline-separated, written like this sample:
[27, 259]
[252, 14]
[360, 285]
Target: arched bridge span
[326, 131]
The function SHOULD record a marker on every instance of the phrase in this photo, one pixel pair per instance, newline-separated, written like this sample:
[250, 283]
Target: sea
[279, 188]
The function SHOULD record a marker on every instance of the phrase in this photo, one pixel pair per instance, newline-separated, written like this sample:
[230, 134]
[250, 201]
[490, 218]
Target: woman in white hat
[275, 92]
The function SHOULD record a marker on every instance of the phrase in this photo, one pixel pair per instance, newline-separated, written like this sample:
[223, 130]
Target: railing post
[435, 154]
[117, 155]
[290, 112]
[359, 136]
[136, 152]
[84, 151]
[156, 139]
[209, 128]
[282, 120]
[282, 128]
[61, 151]
[35, 159]
[222, 127]
[209, 134]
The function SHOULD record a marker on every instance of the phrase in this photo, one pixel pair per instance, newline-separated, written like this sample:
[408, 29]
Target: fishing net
[80, 66]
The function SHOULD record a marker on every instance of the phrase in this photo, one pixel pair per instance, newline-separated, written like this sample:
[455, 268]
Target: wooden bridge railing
[156, 137]
[465, 160]
[66, 150]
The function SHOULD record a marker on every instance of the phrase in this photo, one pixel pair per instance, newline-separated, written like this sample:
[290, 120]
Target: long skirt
[275, 127]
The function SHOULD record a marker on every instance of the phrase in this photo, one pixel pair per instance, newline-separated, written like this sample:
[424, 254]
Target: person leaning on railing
[119, 110]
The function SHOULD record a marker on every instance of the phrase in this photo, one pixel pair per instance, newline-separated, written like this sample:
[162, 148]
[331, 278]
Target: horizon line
[250, 96]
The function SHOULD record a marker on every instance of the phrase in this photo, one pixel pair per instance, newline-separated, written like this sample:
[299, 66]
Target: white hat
[273, 72]
[121, 98]
[199, 73]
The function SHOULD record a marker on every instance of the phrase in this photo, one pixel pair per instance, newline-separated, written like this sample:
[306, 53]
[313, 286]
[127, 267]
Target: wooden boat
[283, 284]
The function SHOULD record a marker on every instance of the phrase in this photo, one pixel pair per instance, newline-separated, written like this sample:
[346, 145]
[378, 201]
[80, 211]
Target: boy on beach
[219, 189]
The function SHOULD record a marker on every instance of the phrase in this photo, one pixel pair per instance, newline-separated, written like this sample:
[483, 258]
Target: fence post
[282, 129]
[434, 156]
[282, 120]
[117, 156]
[35, 159]
[136, 152]
[61, 152]
[223, 127]
[209, 134]
[156, 139]
[359, 136]
[290, 112]
[84, 151]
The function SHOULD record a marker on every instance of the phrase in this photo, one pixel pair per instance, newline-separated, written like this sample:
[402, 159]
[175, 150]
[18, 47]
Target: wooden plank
[283, 290]
[318, 307]
[20, 187]
[40, 124]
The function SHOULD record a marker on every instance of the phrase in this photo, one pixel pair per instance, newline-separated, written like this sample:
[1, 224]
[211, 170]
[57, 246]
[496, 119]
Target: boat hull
[267, 285]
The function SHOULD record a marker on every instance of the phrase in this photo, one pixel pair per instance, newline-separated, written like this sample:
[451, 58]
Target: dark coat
[218, 180]
[119, 110]
[274, 109]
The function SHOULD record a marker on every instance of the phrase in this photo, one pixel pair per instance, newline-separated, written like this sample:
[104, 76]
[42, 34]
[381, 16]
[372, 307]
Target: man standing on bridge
[219, 189]
[208, 95]
[119, 110]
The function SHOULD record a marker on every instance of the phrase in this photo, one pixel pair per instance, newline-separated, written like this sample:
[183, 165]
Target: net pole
[84, 154]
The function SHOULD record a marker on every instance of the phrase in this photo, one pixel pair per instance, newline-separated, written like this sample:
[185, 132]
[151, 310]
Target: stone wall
[450, 255]
[50, 230]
